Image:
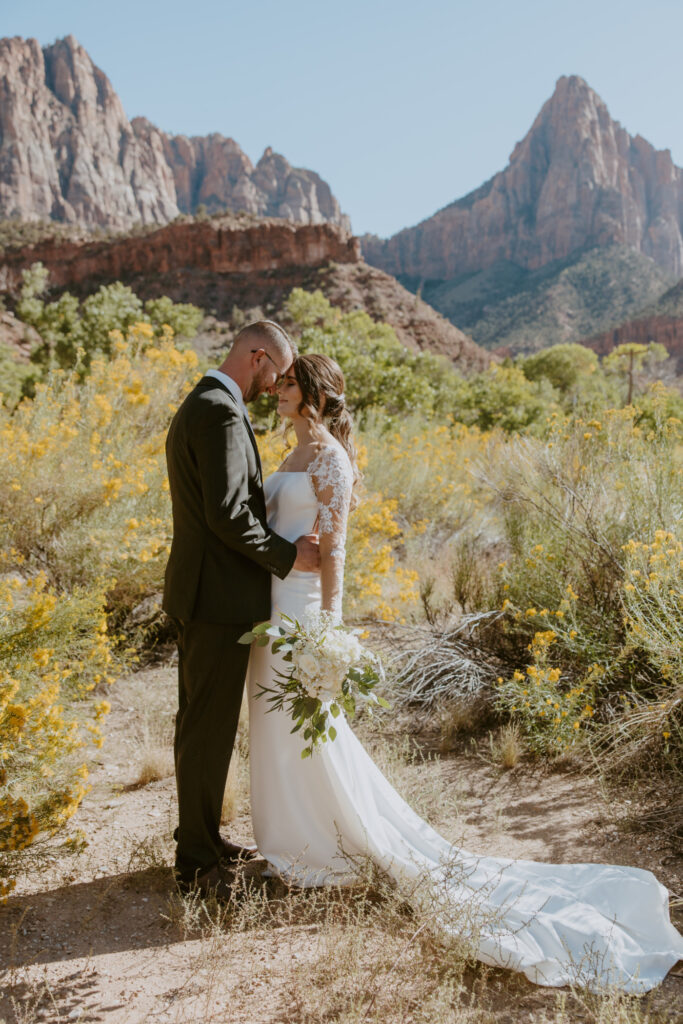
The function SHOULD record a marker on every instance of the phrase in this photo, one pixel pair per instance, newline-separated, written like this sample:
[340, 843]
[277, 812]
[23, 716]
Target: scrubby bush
[55, 662]
[546, 529]
[83, 486]
[16, 377]
[74, 331]
[84, 536]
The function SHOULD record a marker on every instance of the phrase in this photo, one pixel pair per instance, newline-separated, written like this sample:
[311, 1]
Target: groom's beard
[256, 388]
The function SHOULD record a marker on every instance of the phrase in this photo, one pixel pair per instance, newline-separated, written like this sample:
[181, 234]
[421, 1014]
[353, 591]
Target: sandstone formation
[69, 153]
[667, 330]
[577, 180]
[235, 262]
[661, 322]
[18, 337]
[212, 171]
[213, 246]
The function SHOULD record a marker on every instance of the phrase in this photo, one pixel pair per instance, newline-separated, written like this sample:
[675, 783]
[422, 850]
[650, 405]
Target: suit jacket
[222, 554]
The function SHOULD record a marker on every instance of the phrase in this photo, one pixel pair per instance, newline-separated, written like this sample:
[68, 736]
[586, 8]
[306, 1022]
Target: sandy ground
[94, 932]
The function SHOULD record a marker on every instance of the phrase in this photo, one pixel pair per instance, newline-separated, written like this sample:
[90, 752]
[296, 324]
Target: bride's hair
[322, 389]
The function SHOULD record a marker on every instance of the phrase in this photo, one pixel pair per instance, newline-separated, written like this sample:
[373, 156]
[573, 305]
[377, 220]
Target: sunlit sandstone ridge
[245, 262]
[69, 153]
[577, 180]
[203, 245]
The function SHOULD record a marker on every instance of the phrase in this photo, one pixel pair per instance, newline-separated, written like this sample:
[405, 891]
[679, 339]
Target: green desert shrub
[74, 331]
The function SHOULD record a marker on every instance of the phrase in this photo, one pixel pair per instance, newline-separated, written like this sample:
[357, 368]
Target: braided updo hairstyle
[322, 388]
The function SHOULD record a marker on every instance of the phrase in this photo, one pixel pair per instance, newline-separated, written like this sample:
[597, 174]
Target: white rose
[307, 665]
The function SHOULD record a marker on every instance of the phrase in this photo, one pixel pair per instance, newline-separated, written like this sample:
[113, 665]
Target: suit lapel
[253, 441]
[215, 382]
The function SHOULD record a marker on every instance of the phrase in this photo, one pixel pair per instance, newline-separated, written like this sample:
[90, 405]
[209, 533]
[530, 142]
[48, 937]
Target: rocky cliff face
[577, 180]
[661, 321]
[667, 330]
[214, 246]
[69, 153]
[214, 172]
[220, 264]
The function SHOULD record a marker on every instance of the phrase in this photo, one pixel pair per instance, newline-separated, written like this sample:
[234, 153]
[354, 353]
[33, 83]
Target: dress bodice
[316, 500]
[291, 505]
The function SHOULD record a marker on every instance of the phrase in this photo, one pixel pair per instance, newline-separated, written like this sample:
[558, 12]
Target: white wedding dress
[587, 924]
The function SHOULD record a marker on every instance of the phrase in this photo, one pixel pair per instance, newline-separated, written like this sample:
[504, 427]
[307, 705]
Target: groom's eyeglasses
[280, 374]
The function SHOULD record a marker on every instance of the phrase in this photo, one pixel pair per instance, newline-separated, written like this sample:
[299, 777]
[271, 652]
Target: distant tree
[182, 317]
[111, 307]
[379, 370]
[630, 360]
[58, 323]
[575, 373]
[502, 396]
[563, 365]
[66, 325]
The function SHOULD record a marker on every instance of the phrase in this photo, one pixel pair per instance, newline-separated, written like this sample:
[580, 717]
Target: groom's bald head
[268, 335]
[260, 356]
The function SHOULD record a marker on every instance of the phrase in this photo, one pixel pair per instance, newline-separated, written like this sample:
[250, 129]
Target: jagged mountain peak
[70, 153]
[575, 181]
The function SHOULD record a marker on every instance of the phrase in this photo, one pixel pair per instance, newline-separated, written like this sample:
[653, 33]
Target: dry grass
[154, 741]
[461, 718]
[507, 747]
[371, 953]
[156, 763]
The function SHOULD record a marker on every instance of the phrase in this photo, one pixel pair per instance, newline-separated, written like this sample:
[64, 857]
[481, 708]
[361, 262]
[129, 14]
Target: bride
[587, 924]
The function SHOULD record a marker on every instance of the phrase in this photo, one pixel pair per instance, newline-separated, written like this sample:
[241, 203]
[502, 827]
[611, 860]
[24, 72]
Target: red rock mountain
[661, 322]
[576, 181]
[69, 153]
[245, 262]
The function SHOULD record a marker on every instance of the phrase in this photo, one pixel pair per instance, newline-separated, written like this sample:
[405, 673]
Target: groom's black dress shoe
[232, 852]
[214, 881]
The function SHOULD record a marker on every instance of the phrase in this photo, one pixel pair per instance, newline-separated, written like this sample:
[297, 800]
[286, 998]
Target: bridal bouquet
[330, 672]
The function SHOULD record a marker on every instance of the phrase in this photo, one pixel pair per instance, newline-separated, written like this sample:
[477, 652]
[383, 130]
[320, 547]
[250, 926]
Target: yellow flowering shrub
[83, 489]
[653, 602]
[569, 504]
[84, 527]
[55, 656]
[425, 467]
[550, 710]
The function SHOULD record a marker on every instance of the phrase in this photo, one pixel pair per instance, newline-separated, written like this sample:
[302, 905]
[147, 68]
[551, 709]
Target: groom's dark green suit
[218, 583]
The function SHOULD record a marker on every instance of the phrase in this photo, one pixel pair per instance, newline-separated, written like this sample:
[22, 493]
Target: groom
[218, 581]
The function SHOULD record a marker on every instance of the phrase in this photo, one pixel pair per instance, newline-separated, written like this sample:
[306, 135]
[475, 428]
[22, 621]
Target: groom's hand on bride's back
[307, 553]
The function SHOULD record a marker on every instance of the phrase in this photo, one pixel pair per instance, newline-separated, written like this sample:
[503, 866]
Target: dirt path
[95, 933]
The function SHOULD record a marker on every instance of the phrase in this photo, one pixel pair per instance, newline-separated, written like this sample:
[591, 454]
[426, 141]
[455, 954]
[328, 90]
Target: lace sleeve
[331, 477]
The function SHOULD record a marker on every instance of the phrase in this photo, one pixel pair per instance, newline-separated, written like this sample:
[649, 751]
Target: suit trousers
[212, 667]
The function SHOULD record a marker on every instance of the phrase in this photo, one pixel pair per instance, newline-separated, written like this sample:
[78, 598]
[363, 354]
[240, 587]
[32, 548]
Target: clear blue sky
[400, 106]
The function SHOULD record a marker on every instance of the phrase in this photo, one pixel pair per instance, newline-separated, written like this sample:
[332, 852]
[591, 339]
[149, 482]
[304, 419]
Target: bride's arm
[332, 479]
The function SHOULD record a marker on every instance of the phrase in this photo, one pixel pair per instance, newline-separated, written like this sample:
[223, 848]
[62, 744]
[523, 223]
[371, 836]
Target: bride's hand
[307, 554]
